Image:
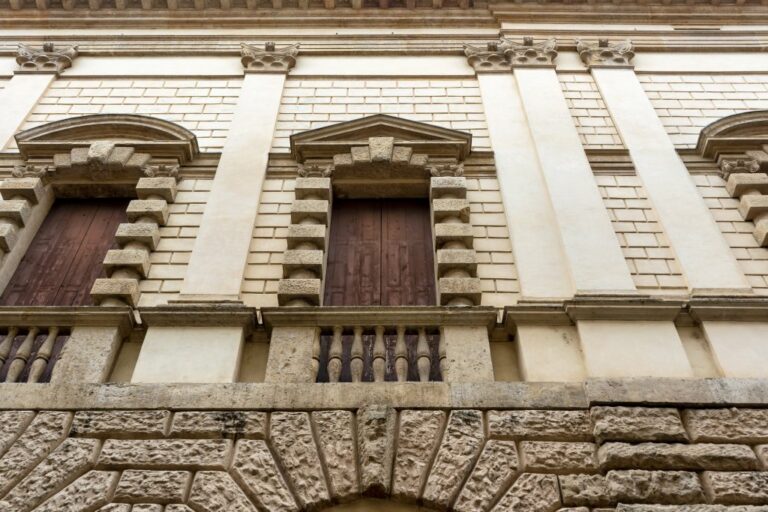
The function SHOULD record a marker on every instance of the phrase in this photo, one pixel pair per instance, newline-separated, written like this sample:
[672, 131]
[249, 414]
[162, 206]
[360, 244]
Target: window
[380, 254]
[66, 254]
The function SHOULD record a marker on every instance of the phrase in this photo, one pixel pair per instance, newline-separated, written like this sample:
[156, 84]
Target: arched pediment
[738, 133]
[157, 137]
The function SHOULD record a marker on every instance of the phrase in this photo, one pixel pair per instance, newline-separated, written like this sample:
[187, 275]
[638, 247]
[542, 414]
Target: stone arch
[377, 505]
[734, 134]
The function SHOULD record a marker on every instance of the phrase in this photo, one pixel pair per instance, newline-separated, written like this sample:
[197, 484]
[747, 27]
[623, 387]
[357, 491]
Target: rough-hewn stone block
[376, 425]
[162, 186]
[540, 425]
[336, 441]
[146, 233]
[214, 424]
[737, 487]
[558, 457]
[453, 232]
[135, 259]
[155, 486]
[495, 468]
[722, 457]
[417, 440]
[11, 425]
[88, 492]
[584, 490]
[458, 451]
[166, 453]
[215, 491]
[637, 424]
[16, 210]
[29, 188]
[454, 186]
[689, 508]
[639, 486]
[727, 425]
[120, 424]
[532, 493]
[124, 289]
[316, 209]
[256, 471]
[450, 208]
[154, 209]
[313, 188]
[306, 233]
[762, 453]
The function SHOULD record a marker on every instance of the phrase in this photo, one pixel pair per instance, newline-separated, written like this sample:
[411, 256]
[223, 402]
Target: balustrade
[28, 354]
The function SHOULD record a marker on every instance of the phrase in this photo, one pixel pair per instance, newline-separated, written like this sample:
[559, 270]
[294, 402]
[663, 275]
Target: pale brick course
[650, 259]
[687, 103]
[738, 232]
[203, 106]
[309, 104]
[589, 113]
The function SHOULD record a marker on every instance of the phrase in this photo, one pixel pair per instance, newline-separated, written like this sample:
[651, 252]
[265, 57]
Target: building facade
[362, 256]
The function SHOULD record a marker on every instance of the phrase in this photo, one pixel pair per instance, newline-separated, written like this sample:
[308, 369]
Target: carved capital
[32, 171]
[315, 170]
[530, 54]
[442, 170]
[161, 170]
[489, 60]
[736, 166]
[604, 55]
[47, 60]
[269, 59]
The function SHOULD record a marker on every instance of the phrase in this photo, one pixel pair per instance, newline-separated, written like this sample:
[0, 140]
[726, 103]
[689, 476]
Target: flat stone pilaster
[706, 260]
[17, 100]
[740, 349]
[88, 355]
[590, 244]
[549, 353]
[218, 259]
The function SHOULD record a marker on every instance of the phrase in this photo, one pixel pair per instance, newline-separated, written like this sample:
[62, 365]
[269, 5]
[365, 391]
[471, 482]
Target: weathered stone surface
[376, 445]
[147, 507]
[213, 424]
[573, 509]
[215, 491]
[292, 439]
[637, 424]
[337, 443]
[727, 425]
[495, 468]
[87, 493]
[689, 508]
[45, 432]
[722, 457]
[156, 486]
[176, 507]
[639, 486]
[116, 507]
[70, 460]
[418, 436]
[120, 424]
[581, 490]
[531, 493]
[557, 457]
[258, 475]
[166, 453]
[737, 487]
[11, 425]
[458, 451]
[762, 453]
[540, 425]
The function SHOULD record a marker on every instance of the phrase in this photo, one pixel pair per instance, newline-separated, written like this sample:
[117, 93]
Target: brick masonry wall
[646, 248]
[687, 103]
[635, 459]
[738, 232]
[309, 104]
[590, 115]
[203, 106]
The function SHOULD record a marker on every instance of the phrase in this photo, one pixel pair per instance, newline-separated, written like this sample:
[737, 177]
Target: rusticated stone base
[628, 459]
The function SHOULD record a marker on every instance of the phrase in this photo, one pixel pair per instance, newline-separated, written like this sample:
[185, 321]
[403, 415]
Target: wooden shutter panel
[66, 255]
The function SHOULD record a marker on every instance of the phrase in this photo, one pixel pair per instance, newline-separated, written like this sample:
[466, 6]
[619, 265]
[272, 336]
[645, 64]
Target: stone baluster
[7, 343]
[401, 355]
[315, 357]
[334, 355]
[42, 356]
[129, 264]
[423, 356]
[21, 356]
[356, 360]
[20, 196]
[458, 284]
[441, 352]
[304, 260]
[379, 355]
[746, 183]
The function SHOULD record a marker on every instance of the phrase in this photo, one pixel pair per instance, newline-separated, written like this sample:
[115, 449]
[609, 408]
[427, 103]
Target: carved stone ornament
[604, 54]
[488, 60]
[269, 59]
[530, 54]
[453, 170]
[315, 170]
[47, 60]
[32, 171]
[735, 166]
[160, 170]
[102, 160]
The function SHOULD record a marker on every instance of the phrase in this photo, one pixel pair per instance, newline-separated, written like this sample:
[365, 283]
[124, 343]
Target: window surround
[380, 156]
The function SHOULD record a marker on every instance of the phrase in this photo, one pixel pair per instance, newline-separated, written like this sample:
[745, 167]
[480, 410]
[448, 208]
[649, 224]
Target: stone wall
[589, 113]
[632, 459]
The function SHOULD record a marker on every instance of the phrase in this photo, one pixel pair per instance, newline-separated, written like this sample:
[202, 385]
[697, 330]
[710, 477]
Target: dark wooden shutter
[66, 255]
[380, 254]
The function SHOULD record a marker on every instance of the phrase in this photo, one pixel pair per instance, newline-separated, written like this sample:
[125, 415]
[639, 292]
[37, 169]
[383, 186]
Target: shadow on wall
[372, 505]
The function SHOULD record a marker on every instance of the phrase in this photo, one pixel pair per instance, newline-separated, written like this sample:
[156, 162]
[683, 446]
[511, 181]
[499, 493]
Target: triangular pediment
[424, 138]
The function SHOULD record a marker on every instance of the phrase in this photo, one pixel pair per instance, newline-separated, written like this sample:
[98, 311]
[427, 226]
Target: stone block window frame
[96, 156]
[385, 157]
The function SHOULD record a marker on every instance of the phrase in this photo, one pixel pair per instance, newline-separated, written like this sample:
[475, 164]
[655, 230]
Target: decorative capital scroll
[453, 170]
[530, 54]
[269, 59]
[606, 55]
[728, 167]
[156, 171]
[47, 60]
[315, 170]
[488, 60]
[32, 171]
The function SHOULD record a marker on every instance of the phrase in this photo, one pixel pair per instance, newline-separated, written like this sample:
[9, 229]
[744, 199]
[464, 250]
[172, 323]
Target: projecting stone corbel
[604, 55]
[269, 59]
[47, 60]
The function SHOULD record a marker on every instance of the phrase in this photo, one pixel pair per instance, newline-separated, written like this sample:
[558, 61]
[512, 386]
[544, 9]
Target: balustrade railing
[378, 354]
[28, 354]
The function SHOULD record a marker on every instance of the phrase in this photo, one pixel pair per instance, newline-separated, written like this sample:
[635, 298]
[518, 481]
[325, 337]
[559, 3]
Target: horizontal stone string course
[630, 459]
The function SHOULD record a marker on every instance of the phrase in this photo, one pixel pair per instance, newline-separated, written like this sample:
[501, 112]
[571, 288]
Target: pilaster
[218, 259]
[707, 261]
